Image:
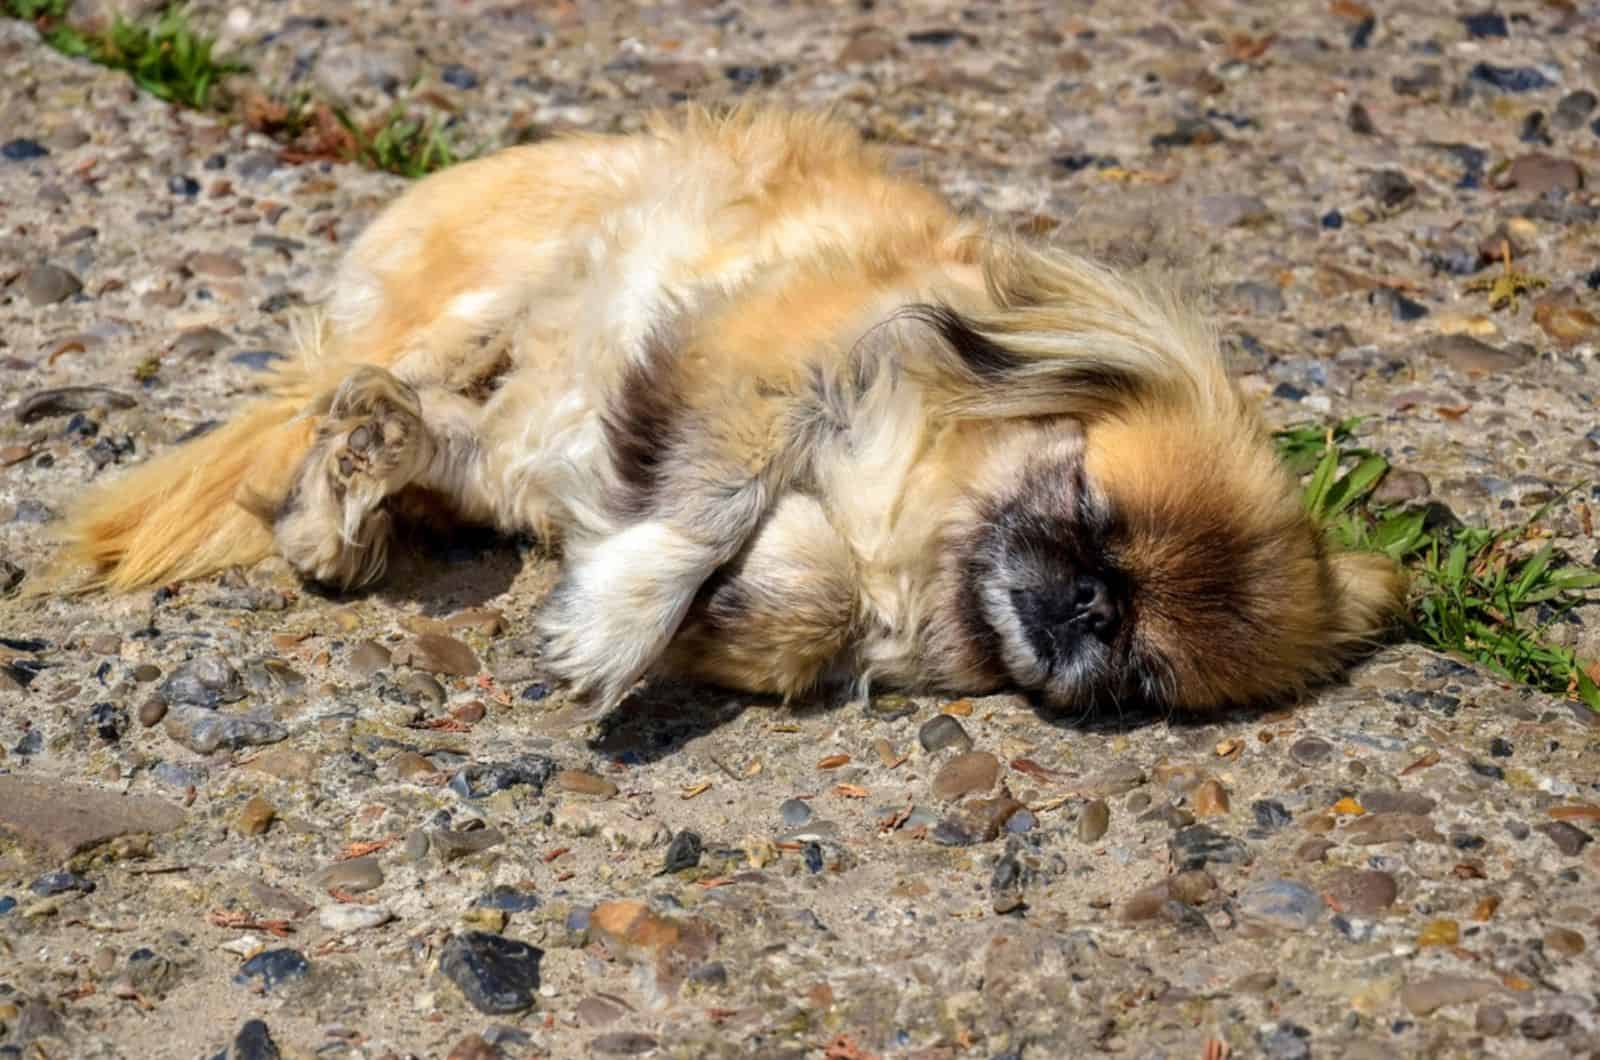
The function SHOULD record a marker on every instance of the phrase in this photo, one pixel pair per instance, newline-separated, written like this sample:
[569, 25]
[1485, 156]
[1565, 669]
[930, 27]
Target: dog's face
[1157, 557]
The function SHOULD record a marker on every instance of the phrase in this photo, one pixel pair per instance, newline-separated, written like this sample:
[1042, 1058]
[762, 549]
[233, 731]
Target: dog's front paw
[592, 654]
[619, 603]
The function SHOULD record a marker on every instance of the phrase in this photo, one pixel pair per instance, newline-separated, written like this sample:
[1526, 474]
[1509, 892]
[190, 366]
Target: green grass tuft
[1487, 595]
[166, 56]
[409, 146]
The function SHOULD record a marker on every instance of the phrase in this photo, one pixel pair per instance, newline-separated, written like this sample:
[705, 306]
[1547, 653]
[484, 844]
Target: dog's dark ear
[983, 366]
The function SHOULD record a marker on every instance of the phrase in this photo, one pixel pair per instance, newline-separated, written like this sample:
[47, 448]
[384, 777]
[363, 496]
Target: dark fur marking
[987, 359]
[642, 425]
[288, 506]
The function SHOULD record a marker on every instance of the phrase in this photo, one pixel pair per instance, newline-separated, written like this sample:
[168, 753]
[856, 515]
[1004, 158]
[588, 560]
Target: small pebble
[1282, 904]
[45, 285]
[1364, 893]
[272, 968]
[1270, 815]
[682, 853]
[966, 774]
[496, 974]
[581, 783]
[255, 817]
[1310, 751]
[253, 1042]
[344, 917]
[353, 875]
[1210, 799]
[1568, 838]
[22, 150]
[508, 899]
[941, 732]
[1564, 941]
[794, 813]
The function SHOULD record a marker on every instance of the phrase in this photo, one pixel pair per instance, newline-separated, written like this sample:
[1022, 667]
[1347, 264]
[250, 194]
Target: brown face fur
[1162, 557]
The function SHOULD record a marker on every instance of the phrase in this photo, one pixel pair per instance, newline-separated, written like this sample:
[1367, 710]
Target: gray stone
[1261, 299]
[496, 974]
[1467, 354]
[205, 682]
[449, 844]
[253, 1042]
[273, 968]
[353, 876]
[1423, 997]
[45, 285]
[204, 731]
[1310, 751]
[943, 731]
[1282, 904]
[64, 819]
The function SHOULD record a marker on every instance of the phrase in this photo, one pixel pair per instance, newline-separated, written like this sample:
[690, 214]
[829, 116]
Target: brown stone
[285, 763]
[217, 266]
[369, 657]
[1390, 828]
[64, 819]
[1538, 173]
[975, 771]
[483, 620]
[1114, 781]
[1314, 849]
[983, 819]
[581, 783]
[1363, 893]
[255, 817]
[1564, 941]
[408, 765]
[1093, 821]
[1194, 887]
[1567, 324]
[869, 46]
[1210, 799]
[438, 654]
[1145, 904]
[473, 1047]
[1466, 354]
[1422, 997]
[630, 929]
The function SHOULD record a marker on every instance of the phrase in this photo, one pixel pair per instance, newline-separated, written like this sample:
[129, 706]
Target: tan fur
[779, 408]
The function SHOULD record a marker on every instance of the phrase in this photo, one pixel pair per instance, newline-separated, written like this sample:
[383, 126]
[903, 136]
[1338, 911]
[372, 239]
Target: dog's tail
[198, 508]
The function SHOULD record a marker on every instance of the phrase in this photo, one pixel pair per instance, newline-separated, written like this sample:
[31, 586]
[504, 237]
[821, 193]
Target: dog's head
[1136, 536]
[1158, 557]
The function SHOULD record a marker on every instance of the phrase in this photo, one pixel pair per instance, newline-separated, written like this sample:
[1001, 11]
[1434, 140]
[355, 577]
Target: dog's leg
[377, 435]
[780, 615]
[623, 595]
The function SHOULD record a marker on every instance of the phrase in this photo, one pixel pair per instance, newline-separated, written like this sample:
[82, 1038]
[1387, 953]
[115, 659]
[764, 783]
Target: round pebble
[942, 732]
[966, 774]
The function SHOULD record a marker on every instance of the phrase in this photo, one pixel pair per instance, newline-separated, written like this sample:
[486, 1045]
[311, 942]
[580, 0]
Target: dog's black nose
[1093, 609]
[1081, 605]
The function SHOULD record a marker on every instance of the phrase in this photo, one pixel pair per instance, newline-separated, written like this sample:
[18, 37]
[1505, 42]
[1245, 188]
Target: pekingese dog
[790, 419]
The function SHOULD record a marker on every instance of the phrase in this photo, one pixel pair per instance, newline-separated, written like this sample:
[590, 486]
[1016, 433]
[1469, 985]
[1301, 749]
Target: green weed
[409, 146]
[165, 56]
[1485, 594]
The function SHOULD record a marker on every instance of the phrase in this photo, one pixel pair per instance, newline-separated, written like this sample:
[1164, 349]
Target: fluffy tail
[197, 508]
